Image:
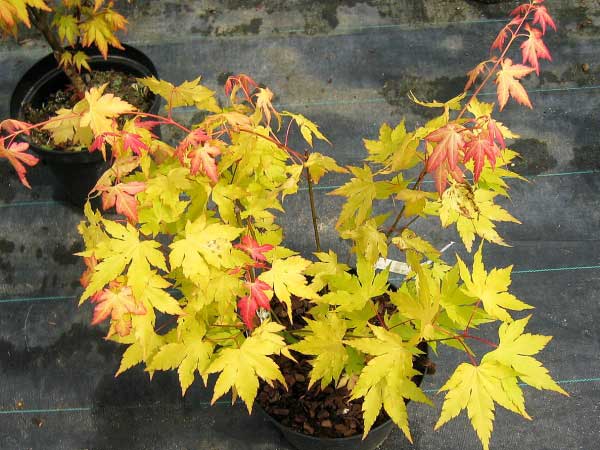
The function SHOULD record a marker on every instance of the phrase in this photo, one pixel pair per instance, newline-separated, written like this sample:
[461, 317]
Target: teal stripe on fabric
[541, 175]
[89, 408]
[220, 402]
[522, 271]
[38, 299]
[525, 271]
[31, 203]
[556, 269]
[368, 100]
[573, 381]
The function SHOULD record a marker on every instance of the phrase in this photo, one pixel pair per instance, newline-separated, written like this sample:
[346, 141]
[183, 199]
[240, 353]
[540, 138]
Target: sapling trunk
[40, 21]
[313, 209]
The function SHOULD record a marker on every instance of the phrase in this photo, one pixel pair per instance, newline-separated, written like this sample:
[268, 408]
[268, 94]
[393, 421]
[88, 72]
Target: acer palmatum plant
[67, 26]
[189, 277]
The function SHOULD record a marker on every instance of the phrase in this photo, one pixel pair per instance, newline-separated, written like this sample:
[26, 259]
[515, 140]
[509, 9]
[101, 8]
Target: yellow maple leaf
[325, 342]
[240, 368]
[491, 288]
[188, 93]
[286, 277]
[98, 110]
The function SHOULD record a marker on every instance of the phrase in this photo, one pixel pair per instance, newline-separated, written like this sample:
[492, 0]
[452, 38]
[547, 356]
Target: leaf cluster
[67, 25]
[189, 276]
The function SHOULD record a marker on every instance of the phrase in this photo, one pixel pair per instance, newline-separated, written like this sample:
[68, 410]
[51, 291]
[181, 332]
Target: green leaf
[395, 148]
[369, 242]
[168, 357]
[353, 292]
[197, 358]
[67, 28]
[153, 292]
[410, 240]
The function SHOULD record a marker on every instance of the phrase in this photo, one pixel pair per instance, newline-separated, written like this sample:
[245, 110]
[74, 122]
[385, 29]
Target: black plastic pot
[374, 439]
[76, 172]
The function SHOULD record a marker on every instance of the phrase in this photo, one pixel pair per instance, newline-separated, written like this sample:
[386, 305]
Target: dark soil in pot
[44, 87]
[321, 419]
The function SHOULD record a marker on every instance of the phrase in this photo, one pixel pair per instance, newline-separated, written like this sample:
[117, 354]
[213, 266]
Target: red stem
[498, 62]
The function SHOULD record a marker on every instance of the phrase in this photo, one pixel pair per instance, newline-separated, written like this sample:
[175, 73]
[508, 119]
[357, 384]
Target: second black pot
[76, 172]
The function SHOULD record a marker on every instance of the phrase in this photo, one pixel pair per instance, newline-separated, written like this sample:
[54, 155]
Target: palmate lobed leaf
[17, 156]
[286, 278]
[204, 243]
[241, 368]
[118, 303]
[507, 80]
[386, 379]
[99, 30]
[188, 93]
[477, 387]
[324, 340]
[319, 164]
[516, 349]
[534, 49]
[491, 288]
[119, 247]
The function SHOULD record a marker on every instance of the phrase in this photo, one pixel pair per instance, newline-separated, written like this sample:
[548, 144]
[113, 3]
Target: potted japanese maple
[195, 276]
[79, 33]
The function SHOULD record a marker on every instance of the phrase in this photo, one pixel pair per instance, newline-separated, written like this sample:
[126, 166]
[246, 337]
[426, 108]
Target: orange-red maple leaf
[534, 48]
[194, 139]
[90, 263]
[12, 126]
[521, 10]
[473, 74]
[17, 156]
[246, 83]
[450, 142]
[123, 196]
[249, 304]
[500, 39]
[441, 176]
[508, 84]
[133, 142]
[116, 302]
[543, 18]
[495, 133]
[203, 158]
[256, 251]
[479, 149]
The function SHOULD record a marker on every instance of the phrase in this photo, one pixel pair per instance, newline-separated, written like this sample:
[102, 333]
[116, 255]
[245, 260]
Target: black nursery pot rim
[45, 71]
[355, 438]
[308, 437]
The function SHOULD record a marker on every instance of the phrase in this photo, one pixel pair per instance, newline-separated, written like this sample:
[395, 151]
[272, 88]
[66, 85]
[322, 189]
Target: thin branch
[313, 209]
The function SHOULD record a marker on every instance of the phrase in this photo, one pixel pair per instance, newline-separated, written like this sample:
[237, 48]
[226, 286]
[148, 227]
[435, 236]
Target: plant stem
[493, 69]
[415, 186]
[40, 21]
[313, 210]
